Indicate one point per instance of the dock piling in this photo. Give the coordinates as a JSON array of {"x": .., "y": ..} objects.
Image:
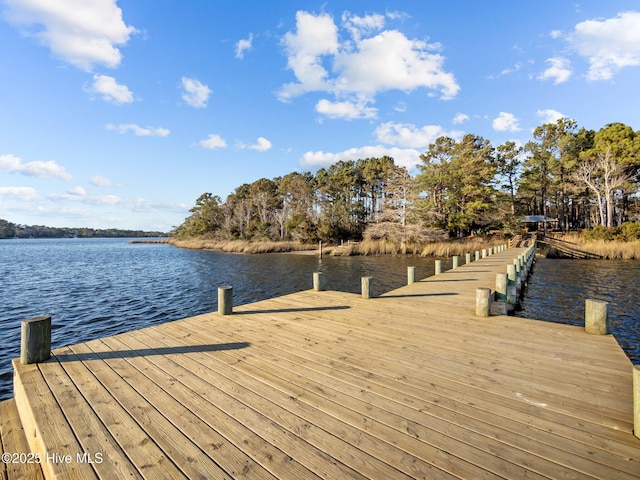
[
  {"x": 367, "y": 287},
  {"x": 225, "y": 300},
  {"x": 501, "y": 293},
  {"x": 438, "y": 267},
  {"x": 636, "y": 400},
  {"x": 596, "y": 313},
  {"x": 35, "y": 340},
  {"x": 456, "y": 261},
  {"x": 318, "y": 281},
  {"x": 411, "y": 275},
  {"x": 483, "y": 302}
]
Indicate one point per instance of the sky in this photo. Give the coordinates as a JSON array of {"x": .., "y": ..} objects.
[{"x": 120, "y": 114}]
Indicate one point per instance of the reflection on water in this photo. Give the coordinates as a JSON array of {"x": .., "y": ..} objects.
[{"x": 558, "y": 289}]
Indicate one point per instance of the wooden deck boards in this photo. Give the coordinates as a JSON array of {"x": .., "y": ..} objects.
[
  {"x": 21, "y": 464},
  {"x": 329, "y": 385}
]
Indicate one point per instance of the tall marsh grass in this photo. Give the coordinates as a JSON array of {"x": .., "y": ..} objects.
[
  {"x": 241, "y": 246},
  {"x": 609, "y": 249},
  {"x": 365, "y": 247}
]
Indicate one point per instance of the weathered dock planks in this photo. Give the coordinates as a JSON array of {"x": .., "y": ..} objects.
[
  {"x": 18, "y": 463},
  {"x": 330, "y": 385}
]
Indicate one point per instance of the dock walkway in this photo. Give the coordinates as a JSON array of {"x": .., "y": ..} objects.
[{"x": 329, "y": 385}]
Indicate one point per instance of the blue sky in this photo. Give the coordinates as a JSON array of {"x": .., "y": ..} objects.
[{"x": 119, "y": 114}]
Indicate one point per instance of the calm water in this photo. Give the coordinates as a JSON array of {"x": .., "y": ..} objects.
[
  {"x": 99, "y": 287},
  {"x": 558, "y": 289}
]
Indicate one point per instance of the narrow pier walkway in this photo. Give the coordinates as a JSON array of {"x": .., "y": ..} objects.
[{"x": 330, "y": 385}]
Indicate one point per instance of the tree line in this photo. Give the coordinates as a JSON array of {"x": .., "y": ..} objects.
[
  {"x": 11, "y": 230},
  {"x": 579, "y": 177}
]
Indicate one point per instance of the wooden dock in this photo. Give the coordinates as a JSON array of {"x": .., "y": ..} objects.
[{"x": 330, "y": 385}]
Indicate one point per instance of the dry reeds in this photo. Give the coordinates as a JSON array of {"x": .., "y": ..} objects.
[
  {"x": 608, "y": 249},
  {"x": 365, "y": 247},
  {"x": 459, "y": 246},
  {"x": 241, "y": 246},
  {"x": 613, "y": 249}
]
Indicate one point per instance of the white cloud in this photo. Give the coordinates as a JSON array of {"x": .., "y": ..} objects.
[
  {"x": 213, "y": 141},
  {"x": 316, "y": 36},
  {"x": 409, "y": 136},
  {"x": 21, "y": 193},
  {"x": 505, "y": 122},
  {"x": 405, "y": 157},
  {"x": 559, "y": 70},
  {"x": 82, "y": 33},
  {"x": 346, "y": 110},
  {"x": 99, "y": 181},
  {"x": 12, "y": 164},
  {"x": 243, "y": 45},
  {"x": 195, "y": 93},
  {"x": 460, "y": 118},
  {"x": 138, "y": 130},
  {"x": 609, "y": 45},
  {"x": 110, "y": 90},
  {"x": 364, "y": 65},
  {"x": 549, "y": 115},
  {"x": 261, "y": 145},
  {"x": 79, "y": 191},
  {"x": 359, "y": 26}
]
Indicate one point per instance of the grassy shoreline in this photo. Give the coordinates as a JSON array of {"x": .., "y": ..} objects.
[
  {"x": 365, "y": 247},
  {"x": 607, "y": 249}
]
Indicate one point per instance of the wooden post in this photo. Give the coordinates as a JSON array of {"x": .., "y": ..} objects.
[
  {"x": 456, "y": 261},
  {"x": 596, "y": 317},
  {"x": 467, "y": 258},
  {"x": 512, "y": 292},
  {"x": 636, "y": 400},
  {"x": 320, "y": 249},
  {"x": 367, "y": 287},
  {"x": 483, "y": 302},
  {"x": 501, "y": 293},
  {"x": 411, "y": 275},
  {"x": 438, "y": 267},
  {"x": 484, "y": 253},
  {"x": 477, "y": 255},
  {"x": 318, "y": 281},
  {"x": 35, "y": 344},
  {"x": 225, "y": 300}
]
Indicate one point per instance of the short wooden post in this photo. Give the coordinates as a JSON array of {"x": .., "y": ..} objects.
[
  {"x": 438, "y": 267},
  {"x": 225, "y": 300},
  {"x": 477, "y": 255},
  {"x": 411, "y": 275},
  {"x": 636, "y": 400},
  {"x": 596, "y": 314},
  {"x": 512, "y": 292},
  {"x": 467, "y": 258},
  {"x": 501, "y": 293},
  {"x": 35, "y": 344},
  {"x": 318, "y": 281},
  {"x": 483, "y": 302},
  {"x": 484, "y": 253},
  {"x": 456, "y": 261},
  {"x": 367, "y": 287}
]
